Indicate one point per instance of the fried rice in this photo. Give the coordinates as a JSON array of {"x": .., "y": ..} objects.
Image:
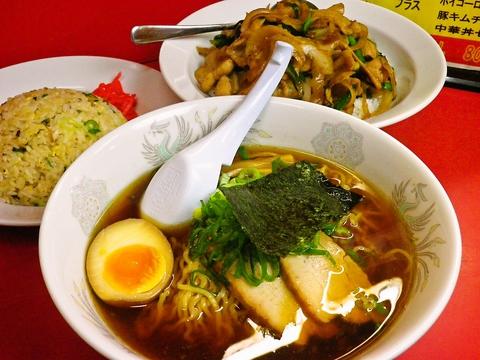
[{"x": 41, "y": 133}]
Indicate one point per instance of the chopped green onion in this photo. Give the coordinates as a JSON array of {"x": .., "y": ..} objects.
[
  {"x": 289, "y": 28},
  {"x": 271, "y": 262},
  {"x": 243, "y": 153},
  {"x": 329, "y": 229},
  {"x": 200, "y": 272},
  {"x": 20, "y": 149},
  {"x": 355, "y": 257},
  {"x": 92, "y": 126},
  {"x": 342, "y": 102},
  {"x": 193, "y": 276},
  {"x": 256, "y": 267},
  {"x": 336, "y": 229},
  {"x": 297, "y": 78},
  {"x": 249, "y": 174},
  {"x": 312, "y": 248},
  {"x": 360, "y": 56},
  {"x": 224, "y": 179},
  {"x": 244, "y": 176},
  {"x": 307, "y": 24},
  {"x": 218, "y": 242},
  {"x": 278, "y": 164},
  {"x": 387, "y": 85},
  {"x": 351, "y": 40},
  {"x": 228, "y": 261},
  {"x": 342, "y": 231},
  {"x": 197, "y": 213},
  {"x": 221, "y": 40}
]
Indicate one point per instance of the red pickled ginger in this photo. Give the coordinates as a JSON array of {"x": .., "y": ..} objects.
[{"x": 114, "y": 94}]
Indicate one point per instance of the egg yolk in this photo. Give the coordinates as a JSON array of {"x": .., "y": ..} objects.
[{"x": 130, "y": 267}]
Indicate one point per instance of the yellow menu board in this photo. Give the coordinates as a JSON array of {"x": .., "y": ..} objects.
[{"x": 454, "y": 24}]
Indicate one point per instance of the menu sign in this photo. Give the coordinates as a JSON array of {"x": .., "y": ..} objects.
[{"x": 454, "y": 24}]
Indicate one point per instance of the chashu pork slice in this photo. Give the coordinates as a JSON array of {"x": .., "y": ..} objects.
[
  {"x": 270, "y": 304},
  {"x": 319, "y": 285}
]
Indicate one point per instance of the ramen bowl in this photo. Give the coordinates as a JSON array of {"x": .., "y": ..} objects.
[{"x": 96, "y": 178}]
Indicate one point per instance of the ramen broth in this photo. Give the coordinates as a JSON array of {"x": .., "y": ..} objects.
[{"x": 380, "y": 229}]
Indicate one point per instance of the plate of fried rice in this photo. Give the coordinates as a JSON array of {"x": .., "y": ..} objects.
[{"x": 49, "y": 116}]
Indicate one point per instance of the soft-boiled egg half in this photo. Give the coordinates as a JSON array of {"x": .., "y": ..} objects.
[{"x": 129, "y": 262}]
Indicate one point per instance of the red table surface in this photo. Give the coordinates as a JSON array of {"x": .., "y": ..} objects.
[{"x": 445, "y": 135}]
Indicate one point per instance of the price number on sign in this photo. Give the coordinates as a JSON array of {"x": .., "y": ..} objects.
[{"x": 472, "y": 53}]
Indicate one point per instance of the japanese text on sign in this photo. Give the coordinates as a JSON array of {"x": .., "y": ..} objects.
[{"x": 455, "y": 24}]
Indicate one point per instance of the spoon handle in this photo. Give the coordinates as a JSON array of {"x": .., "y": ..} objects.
[
  {"x": 249, "y": 110},
  {"x": 146, "y": 34},
  {"x": 222, "y": 143}
]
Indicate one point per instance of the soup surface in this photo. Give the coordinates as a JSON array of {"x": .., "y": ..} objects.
[{"x": 196, "y": 317}]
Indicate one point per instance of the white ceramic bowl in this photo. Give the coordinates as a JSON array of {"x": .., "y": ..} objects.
[
  {"x": 418, "y": 61},
  {"x": 112, "y": 163}
]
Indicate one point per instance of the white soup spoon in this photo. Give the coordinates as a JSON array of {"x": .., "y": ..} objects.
[{"x": 192, "y": 174}]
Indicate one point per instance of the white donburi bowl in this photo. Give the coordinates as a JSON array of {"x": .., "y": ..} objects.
[
  {"x": 129, "y": 151},
  {"x": 419, "y": 63}
]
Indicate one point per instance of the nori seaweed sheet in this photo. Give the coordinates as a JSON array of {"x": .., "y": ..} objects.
[{"x": 285, "y": 209}]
